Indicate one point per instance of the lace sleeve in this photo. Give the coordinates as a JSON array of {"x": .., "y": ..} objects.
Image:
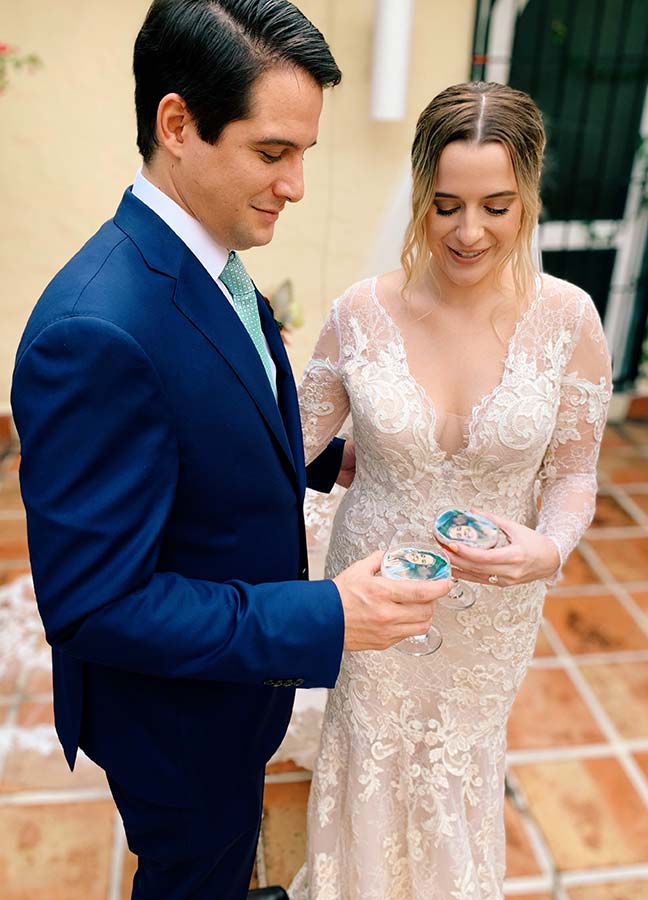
[
  {"x": 568, "y": 474},
  {"x": 323, "y": 400}
]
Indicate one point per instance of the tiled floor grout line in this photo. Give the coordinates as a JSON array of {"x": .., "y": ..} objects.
[
  {"x": 43, "y": 697},
  {"x": 536, "y": 837},
  {"x": 577, "y": 751},
  {"x": 260, "y": 860},
  {"x": 629, "y": 450},
  {"x": 626, "y": 503},
  {"x": 617, "y": 744},
  {"x": 604, "y": 875},
  {"x": 117, "y": 859},
  {"x": 524, "y": 885},
  {"x": 7, "y": 728},
  {"x": 9, "y": 725},
  {"x": 596, "y": 590},
  {"x": 637, "y": 487},
  {"x": 615, "y": 587},
  {"x": 288, "y": 777},
  {"x": 54, "y": 797},
  {"x": 630, "y": 605},
  {"x": 616, "y": 532},
  {"x": 592, "y": 659}
]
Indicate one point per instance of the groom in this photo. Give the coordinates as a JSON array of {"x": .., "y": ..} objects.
[{"x": 162, "y": 463}]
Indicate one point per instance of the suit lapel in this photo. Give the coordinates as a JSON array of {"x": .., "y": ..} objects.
[
  {"x": 207, "y": 308},
  {"x": 287, "y": 394}
]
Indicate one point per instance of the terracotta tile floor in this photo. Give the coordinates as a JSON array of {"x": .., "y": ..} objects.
[{"x": 577, "y": 801}]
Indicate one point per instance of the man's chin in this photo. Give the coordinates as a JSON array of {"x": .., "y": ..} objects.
[
  {"x": 265, "y": 235},
  {"x": 260, "y": 238}
]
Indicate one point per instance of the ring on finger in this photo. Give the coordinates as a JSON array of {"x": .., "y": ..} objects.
[{"x": 493, "y": 579}]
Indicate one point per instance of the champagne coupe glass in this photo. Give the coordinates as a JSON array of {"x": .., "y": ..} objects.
[
  {"x": 409, "y": 557},
  {"x": 463, "y": 527}
]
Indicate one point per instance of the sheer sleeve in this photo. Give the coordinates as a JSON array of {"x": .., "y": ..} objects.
[
  {"x": 323, "y": 400},
  {"x": 568, "y": 474}
]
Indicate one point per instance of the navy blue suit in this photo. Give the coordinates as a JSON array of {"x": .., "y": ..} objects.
[{"x": 164, "y": 486}]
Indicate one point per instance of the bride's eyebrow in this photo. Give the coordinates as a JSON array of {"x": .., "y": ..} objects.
[
  {"x": 443, "y": 196},
  {"x": 501, "y": 194}
]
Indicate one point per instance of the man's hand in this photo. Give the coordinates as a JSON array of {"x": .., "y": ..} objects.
[
  {"x": 379, "y": 612},
  {"x": 347, "y": 469}
]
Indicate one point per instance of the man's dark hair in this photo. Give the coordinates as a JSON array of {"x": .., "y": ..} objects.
[{"x": 212, "y": 51}]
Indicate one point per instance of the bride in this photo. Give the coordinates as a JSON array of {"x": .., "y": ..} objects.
[{"x": 473, "y": 382}]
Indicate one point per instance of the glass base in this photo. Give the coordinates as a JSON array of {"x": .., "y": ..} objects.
[{"x": 421, "y": 644}]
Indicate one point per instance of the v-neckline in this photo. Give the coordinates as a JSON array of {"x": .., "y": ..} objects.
[{"x": 428, "y": 402}]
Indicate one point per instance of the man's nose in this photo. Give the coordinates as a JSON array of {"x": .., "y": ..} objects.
[{"x": 290, "y": 185}]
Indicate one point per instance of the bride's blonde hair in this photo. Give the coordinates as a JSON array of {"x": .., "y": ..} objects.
[{"x": 479, "y": 112}]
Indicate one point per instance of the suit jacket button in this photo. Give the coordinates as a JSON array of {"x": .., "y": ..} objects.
[
  {"x": 304, "y": 572},
  {"x": 298, "y": 682},
  {"x": 270, "y": 682}
]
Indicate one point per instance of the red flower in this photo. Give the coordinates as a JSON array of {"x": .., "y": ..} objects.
[{"x": 5, "y": 48}]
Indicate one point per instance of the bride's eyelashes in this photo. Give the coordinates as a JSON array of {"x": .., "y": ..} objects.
[{"x": 489, "y": 209}]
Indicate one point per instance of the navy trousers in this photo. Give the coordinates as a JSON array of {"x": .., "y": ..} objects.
[{"x": 176, "y": 858}]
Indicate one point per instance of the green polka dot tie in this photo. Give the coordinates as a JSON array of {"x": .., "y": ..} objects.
[{"x": 239, "y": 284}]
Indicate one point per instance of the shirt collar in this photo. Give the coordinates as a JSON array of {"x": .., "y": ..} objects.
[{"x": 190, "y": 231}]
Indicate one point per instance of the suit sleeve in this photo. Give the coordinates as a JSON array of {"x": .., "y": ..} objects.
[
  {"x": 98, "y": 474},
  {"x": 322, "y": 471}
]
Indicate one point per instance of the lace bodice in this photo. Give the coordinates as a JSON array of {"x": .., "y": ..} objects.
[{"x": 534, "y": 435}]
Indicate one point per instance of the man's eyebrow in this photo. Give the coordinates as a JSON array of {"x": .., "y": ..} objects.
[
  {"x": 280, "y": 142},
  {"x": 442, "y": 196}
]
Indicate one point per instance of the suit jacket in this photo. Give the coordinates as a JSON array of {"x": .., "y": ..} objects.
[{"x": 164, "y": 486}]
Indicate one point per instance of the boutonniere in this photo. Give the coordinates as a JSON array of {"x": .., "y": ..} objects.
[
  {"x": 280, "y": 325},
  {"x": 286, "y": 311}
]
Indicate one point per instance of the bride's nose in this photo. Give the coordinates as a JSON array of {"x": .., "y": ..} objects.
[{"x": 469, "y": 228}]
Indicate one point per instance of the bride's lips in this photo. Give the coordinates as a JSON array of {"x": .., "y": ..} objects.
[{"x": 467, "y": 260}]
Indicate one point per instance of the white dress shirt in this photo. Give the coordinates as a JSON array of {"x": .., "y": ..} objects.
[{"x": 211, "y": 255}]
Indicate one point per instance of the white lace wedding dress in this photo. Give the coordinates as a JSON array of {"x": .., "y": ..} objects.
[{"x": 408, "y": 788}]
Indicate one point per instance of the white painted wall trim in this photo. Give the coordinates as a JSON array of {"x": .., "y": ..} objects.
[{"x": 391, "y": 59}]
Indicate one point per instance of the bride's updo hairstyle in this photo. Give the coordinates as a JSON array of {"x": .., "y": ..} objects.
[{"x": 478, "y": 112}]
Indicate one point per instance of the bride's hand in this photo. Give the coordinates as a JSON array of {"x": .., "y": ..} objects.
[
  {"x": 529, "y": 556},
  {"x": 348, "y": 466}
]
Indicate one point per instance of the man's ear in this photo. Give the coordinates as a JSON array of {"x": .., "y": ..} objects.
[{"x": 173, "y": 117}]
